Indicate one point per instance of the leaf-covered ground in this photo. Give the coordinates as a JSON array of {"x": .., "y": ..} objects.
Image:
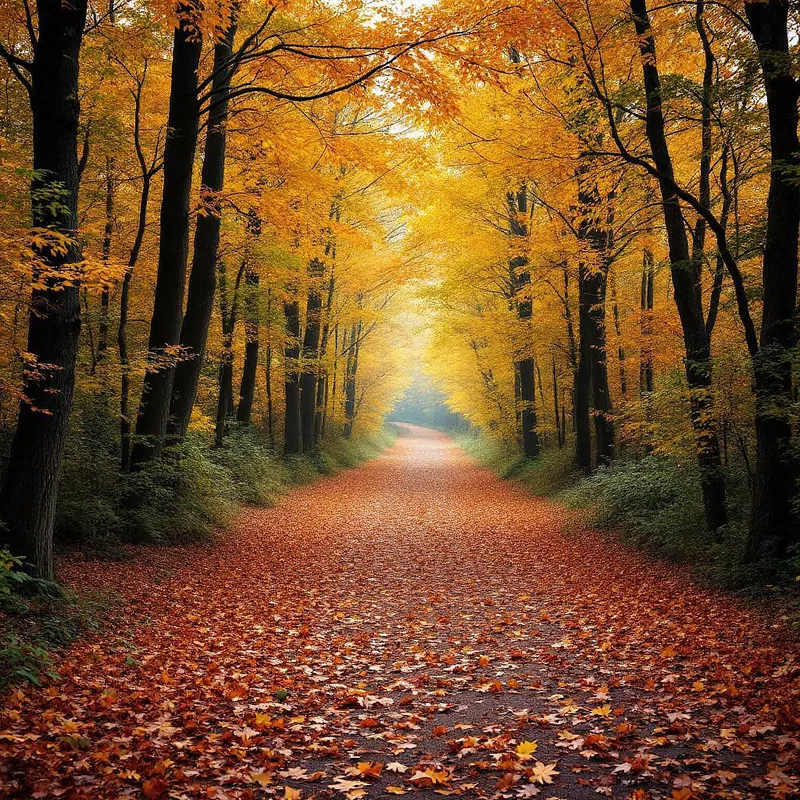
[{"x": 413, "y": 627}]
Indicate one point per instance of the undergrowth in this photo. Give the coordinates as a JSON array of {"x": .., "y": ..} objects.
[
  {"x": 193, "y": 492},
  {"x": 38, "y": 617},
  {"x": 653, "y": 503}
]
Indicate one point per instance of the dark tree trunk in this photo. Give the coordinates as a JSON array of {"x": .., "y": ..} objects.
[
  {"x": 322, "y": 381},
  {"x": 108, "y": 231},
  {"x": 147, "y": 173},
  {"x": 646, "y": 324},
  {"x": 351, "y": 370},
  {"x": 524, "y": 367},
  {"x": 601, "y": 395},
  {"x": 293, "y": 435},
  {"x": 583, "y": 376},
  {"x": 623, "y": 376},
  {"x": 125, "y": 380},
  {"x": 202, "y": 277},
  {"x": 179, "y": 152},
  {"x": 268, "y": 371},
  {"x": 330, "y": 400},
  {"x": 595, "y": 229},
  {"x": 773, "y": 526},
  {"x": 247, "y": 388},
  {"x": 686, "y": 280},
  {"x": 228, "y": 316},
  {"x": 29, "y": 493},
  {"x": 311, "y": 345},
  {"x": 560, "y": 432}
]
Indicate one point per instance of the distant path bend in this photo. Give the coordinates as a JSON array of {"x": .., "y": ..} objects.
[{"x": 414, "y": 625}]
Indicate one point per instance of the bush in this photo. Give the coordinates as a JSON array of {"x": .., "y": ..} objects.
[
  {"x": 36, "y": 617},
  {"x": 544, "y": 476},
  {"x": 257, "y": 477},
  {"x": 194, "y": 490},
  {"x": 653, "y": 502},
  {"x": 182, "y": 497}
]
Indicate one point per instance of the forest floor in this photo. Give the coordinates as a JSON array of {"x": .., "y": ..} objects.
[{"x": 413, "y": 626}]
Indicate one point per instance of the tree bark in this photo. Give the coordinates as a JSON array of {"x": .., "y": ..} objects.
[
  {"x": 247, "y": 388},
  {"x": 351, "y": 370},
  {"x": 583, "y": 375},
  {"x": 268, "y": 371},
  {"x": 147, "y": 173},
  {"x": 29, "y": 493},
  {"x": 228, "y": 314},
  {"x": 646, "y": 324},
  {"x": 108, "y": 231},
  {"x": 322, "y": 380},
  {"x": 311, "y": 345},
  {"x": 595, "y": 231},
  {"x": 293, "y": 435},
  {"x": 202, "y": 277},
  {"x": 621, "y": 355},
  {"x": 686, "y": 280},
  {"x": 773, "y": 526},
  {"x": 524, "y": 367},
  {"x": 165, "y": 324}
]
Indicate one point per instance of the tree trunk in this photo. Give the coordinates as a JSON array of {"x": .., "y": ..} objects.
[
  {"x": 524, "y": 367},
  {"x": 293, "y": 435},
  {"x": 147, "y": 173},
  {"x": 595, "y": 230},
  {"x": 623, "y": 377},
  {"x": 179, "y": 151},
  {"x": 646, "y": 324},
  {"x": 351, "y": 370},
  {"x": 583, "y": 375},
  {"x": 560, "y": 433},
  {"x": 248, "y": 386},
  {"x": 270, "y": 411},
  {"x": 108, "y": 231},
  {"x": 773, "y": 526},
  {"x": 228, "y": 315},
  {"x": 686, "y": 280},
  {"x": 311, "y": 345},
  {"x": 202, "y": 278},
  {"x": 29, "y": 493},
  {"x": 322, "y": 380},
  {"x": 330, "y": 400}
]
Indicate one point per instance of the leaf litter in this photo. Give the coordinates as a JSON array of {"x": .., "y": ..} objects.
[{"x": 411, "y": 627}]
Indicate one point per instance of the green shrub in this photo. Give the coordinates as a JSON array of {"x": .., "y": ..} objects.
[
  {"x": 36, "y": 616},
  {"x": 182, "y": 497},
  {"x": 544, "y": 476},
  {"x": 255, "y": 474}
]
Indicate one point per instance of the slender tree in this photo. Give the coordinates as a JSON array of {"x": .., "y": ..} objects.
[
  {"x": 202, "y": 278},
  {"x": 179, "y": 152}
]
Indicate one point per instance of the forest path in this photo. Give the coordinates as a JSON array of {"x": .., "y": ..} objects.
[{"x": 414, "y": 626}]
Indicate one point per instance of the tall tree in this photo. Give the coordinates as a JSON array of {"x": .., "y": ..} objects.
[
  {"x": 293, "y": 436},
  {"x": 28, "y": 496},
  {"x": 686, "y": 279},
  {"x": 202, "y": 278},
  {"x": 311, "y": 345},
  {"x": 520, "y": 280},
  {"x": 773, "y": 525},
  {"x": 173, "y": 254},
  {"x": 247, "y": 388}
]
